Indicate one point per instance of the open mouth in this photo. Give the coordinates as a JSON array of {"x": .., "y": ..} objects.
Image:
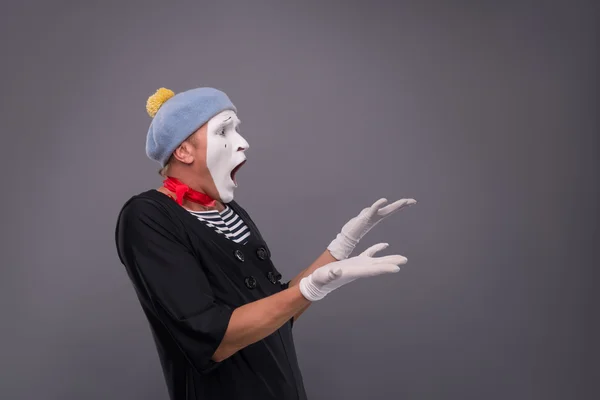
[{"x": 235, "y": 170}]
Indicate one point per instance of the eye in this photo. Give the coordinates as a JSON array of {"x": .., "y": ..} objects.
[{"x": 222, "y": 132}]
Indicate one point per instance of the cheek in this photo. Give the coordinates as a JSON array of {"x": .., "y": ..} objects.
[
  {"x": 226, "y": 145},
  {"x": 217, "y": 151}
]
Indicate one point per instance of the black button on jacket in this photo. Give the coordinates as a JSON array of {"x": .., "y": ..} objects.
[{"x": 189, "y": 279}]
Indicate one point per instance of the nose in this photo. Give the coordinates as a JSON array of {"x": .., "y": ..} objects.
[{"x": 243, "y": 145}]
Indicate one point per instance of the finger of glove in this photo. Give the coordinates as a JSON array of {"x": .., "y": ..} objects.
[
  {"x": 324, "y": 275},
  {"x": 377, "y": 205},
  {"x": 335, "y": 273},
  {"x": 386, "y": 269},
  {"x": 392, "y": 259},
  {"x": 395, "y": 206},
  {"x": 370, "y": 270},
  {"x": 371, "y": 251}
]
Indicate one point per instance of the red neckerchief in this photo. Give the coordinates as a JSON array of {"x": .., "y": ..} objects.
[{"x": 184, "y": 191}]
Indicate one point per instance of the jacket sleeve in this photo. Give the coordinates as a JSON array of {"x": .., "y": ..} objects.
[{"x": 170, "y": 281}]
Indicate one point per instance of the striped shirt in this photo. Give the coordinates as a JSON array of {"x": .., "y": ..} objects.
[{"x": 226, "y": 222}]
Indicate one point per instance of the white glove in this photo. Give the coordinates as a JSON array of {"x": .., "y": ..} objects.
[
  {"x": 342, "y": 246},
  {"x": 329, "y": 277}
]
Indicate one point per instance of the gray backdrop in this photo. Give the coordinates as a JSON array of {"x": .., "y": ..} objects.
[{"x": 485, "y": 112}]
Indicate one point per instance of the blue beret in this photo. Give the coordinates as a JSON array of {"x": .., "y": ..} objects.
[{"x": 177, "y": 116}]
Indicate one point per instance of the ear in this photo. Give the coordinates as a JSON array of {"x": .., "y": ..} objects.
[{"x": 184, "y": 152}]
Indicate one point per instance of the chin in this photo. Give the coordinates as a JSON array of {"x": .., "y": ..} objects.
[
  {"x": 227, "y": 199},
  {"x": 226, "y": 196}
]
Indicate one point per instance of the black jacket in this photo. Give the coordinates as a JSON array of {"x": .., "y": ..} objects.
[{"x": 189, "y": 279}]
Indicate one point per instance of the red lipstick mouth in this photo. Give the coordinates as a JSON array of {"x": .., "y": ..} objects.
[{"x": 235, "y": 170}]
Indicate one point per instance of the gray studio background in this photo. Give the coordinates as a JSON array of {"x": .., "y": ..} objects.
[{"x": 485, "y": 112}]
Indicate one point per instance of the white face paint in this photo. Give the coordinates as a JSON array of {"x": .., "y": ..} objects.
[{"x": 224, "y": 152}]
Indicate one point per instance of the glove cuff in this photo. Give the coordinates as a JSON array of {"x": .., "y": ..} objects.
[
  {"x": 309, "y": 290},
  {"x": 342, "y": 246}
]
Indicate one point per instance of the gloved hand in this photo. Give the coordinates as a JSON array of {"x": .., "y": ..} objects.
[
  {"x": 331, "y": 276},
  {"x": 351, "y": 233}
]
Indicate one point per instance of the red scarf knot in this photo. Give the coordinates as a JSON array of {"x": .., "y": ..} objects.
[{"x": 182, "y": 191}]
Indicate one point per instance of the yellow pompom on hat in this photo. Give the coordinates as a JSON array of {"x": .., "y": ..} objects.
[
  {"x": 157, "y": 100},
  {"x": 176, "y": 116}
]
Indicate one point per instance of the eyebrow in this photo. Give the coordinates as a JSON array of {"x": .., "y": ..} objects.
[{"x": 228, "y": 122}]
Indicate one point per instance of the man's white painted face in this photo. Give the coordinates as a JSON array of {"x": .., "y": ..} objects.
[{"x": 225, "y": 152}]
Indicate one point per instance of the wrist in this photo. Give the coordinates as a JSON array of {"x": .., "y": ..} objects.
[{"x": 300, "y": 299}]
